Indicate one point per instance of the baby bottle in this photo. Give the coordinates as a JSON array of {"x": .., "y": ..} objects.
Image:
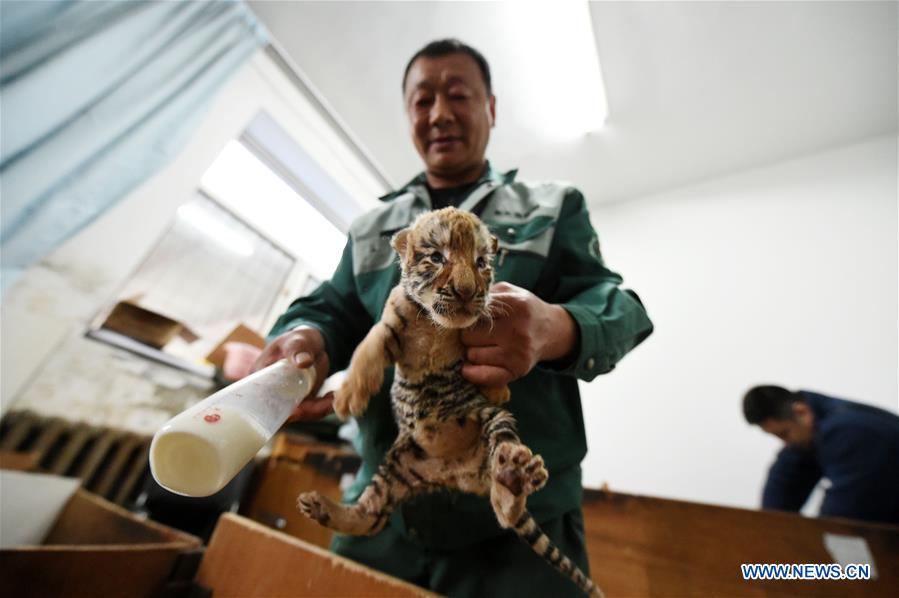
[{"x": 202, "y": 448}]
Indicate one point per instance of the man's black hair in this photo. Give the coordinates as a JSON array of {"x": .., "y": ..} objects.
[
  {"x": 769, "y": 402},
  {"x": 445, "y": 47}
]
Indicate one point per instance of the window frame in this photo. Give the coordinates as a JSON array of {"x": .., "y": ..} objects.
[{"x": 95, "y": 330}]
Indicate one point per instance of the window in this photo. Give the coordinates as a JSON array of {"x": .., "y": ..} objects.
[
  {"x": 236, "y": 253},
  {"x": 246, "y": 185}
]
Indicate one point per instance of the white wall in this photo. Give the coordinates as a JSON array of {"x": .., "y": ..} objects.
[{"x": 785, "y": 275}]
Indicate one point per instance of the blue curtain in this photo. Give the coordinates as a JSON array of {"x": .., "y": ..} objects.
[{"x": 94, "y": 98}]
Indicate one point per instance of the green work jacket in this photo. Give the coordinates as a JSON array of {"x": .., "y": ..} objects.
[{"x": 546, "y": 245}]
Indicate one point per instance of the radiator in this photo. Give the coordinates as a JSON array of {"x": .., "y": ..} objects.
[{"x": 109, "y": 462}]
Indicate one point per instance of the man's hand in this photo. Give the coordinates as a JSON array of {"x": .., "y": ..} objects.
[
  {"x": 525, "y": 330},
  {"x": 304, "y": 347}
]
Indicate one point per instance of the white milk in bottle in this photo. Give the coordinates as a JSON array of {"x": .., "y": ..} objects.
[{"x": 201, "y": 449}]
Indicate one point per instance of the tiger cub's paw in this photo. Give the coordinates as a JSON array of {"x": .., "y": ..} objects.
[
  {"x": 312, "y": 506},
  {"x": 497, "y": 395},
  {"x": 518, "y": 469},
  {"x": 349, "y": 400}
]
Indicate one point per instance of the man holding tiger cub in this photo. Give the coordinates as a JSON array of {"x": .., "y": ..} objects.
[{"x": 562, "y": 317}]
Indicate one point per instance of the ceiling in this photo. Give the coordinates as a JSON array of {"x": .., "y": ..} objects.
[{"x": 695, "y": 90}]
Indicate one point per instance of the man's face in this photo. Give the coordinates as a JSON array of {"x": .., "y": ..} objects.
[
  {"x": 450, "y": 114},
  {"x": 797, "y": 431}
]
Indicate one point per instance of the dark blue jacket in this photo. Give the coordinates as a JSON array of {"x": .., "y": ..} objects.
[{"x": 856, "y": 448}]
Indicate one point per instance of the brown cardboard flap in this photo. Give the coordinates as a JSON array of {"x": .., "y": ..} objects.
[
  {"x": 89, "y": 520},
  {"x": 644, "y": 546},
  {"x": 149, "y": 327},
  {"x": 88, "y": 573},
  {"x": 95, "y": 549},
  {"x": 247, "y": 559}
]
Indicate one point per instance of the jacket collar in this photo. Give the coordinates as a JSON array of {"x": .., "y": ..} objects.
[
  {"x": 419, "y": 186},
  {"x": 820, "y": 405}
]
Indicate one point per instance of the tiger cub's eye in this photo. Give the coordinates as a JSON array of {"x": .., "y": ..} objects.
[
  {"x": 437, "y": 257},
  {"x": 481, "y": 262}
]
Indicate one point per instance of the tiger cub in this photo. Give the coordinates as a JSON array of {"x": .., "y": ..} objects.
[{"x": 452, "y": 434}]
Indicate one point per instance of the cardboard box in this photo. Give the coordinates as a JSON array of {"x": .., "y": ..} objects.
[
  {"x": 645, "y": 546},
  {"x": 143, "y": 325},
  {"x": 95, "y": 548},
  {"x": 296, "y": 465},
  {"x": 240, "y": 334},
  {"x": 247, "y": 559}
]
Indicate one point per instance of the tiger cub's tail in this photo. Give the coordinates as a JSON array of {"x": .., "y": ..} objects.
[{"x": 528, "y": 530}]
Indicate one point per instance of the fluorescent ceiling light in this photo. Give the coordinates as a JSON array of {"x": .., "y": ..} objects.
[{"x": 557, "y": 65}]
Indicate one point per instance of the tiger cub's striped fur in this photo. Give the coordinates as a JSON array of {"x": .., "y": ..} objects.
[{"x": 452, "y": 434}]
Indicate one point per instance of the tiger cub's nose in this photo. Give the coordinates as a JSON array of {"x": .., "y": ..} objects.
[{"x": 464, "y": 292}]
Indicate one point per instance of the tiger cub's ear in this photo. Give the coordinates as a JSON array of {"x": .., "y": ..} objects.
[{"x": 399, "y": 241}]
